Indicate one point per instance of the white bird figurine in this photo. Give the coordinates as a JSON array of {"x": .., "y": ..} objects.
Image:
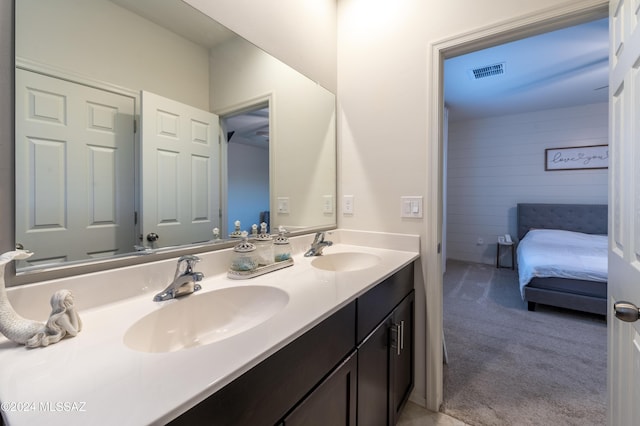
[{"x": 64, "y": 319}]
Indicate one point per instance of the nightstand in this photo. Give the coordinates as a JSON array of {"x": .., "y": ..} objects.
[{"x": 501, "y": 247}]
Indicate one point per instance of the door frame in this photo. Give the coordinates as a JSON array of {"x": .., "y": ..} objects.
[
  {"x": 549, "y": 19},
  {"x": 267, "y": 99}
]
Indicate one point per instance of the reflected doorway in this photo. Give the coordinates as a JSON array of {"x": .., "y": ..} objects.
[{"x": 247, "y": 135}]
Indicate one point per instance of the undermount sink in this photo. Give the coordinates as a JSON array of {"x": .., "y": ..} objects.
[
  {"x": 347, "y": 261},
  {"x": 204, "y": 318}
]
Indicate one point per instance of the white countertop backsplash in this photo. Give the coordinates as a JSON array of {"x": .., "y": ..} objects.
[{"x": 95, "y": 379}]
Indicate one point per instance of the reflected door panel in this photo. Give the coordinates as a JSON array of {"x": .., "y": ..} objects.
[
  {"x": 74, "y": 169},
  {"x": 180, "y": 171}
]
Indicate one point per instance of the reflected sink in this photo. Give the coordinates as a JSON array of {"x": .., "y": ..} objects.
[
  {"x": 343, "y": 262},
  {"x": 201, "y": 319}
]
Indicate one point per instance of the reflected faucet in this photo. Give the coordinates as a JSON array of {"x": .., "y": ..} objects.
[
  {"x": 184, "y": 282},
  {"x": 318, "y": 244}
]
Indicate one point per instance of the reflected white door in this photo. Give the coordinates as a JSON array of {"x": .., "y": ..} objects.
[
  {"x": 74, "y": 169},
  {"x": 180, "y": 172},
  {"x": 624, "y": 211}
]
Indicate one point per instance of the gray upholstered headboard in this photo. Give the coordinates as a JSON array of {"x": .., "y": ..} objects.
[{"x": 586, "y": 218}]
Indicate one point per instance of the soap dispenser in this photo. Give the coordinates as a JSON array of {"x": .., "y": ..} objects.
[
  {"x": 282, "y": 247},
  {"x": 264, "y": 246},
  {"x": 244, "y": 255}
]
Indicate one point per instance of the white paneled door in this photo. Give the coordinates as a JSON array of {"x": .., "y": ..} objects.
[
  {"x": 74, "y": 169},
  {"x": 624, "y": 213},
  {"x": 180, "y": 172}
]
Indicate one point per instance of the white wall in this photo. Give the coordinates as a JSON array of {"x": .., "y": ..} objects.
[
  {"x": 496, "y": 163},
  {"x": 79, "y": 36}
]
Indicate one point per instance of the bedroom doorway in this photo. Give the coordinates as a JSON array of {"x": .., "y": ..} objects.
[{"x": 531, "y": 25}]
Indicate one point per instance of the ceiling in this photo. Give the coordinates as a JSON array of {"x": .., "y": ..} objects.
[
  {"x": 562, "y": 68},
  {"x": 249, "y": 128},
  {"x": 181, "y": 18}
]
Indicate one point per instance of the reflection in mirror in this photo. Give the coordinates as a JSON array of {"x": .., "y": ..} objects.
[
  {"x": 247, "y": 134},
  {"x": 89, "y": 182}
]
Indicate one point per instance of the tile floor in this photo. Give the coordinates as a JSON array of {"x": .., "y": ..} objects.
[{"x": 415, "y": 415}]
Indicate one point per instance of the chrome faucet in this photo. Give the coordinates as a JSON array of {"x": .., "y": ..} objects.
[
  {"x": 318, "y": 244},
  {"x": 185, "y": 280}
]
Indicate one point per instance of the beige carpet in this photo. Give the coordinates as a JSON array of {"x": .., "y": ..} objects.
[{"x": 508, "y": 366}]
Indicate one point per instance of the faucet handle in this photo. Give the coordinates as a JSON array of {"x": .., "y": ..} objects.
[{"x": 188, "y": 260}]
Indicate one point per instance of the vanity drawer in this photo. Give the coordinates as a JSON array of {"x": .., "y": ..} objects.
[
  {"x": 264, "y": 394},
  {"x": 377, "y": 303}
]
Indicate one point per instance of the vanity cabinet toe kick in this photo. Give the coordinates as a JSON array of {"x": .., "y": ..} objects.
[{"x": 354, "y": 368}]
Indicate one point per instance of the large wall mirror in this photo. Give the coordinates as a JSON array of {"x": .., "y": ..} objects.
[{"x": 143, "y": 125}]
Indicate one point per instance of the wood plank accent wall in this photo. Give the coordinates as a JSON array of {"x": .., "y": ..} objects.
[{"x": 495, "y": 163}]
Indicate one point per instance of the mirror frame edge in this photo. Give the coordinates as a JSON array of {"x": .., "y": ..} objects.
[
  {"x": 90, "y": 266},
  {"x": 7, "y": 165}
]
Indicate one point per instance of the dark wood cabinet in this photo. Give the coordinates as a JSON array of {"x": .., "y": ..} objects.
[
  {"x": 386, "y": 367},
  {"x": 333, "y": 402},
  {"x": 373, "y": 377},
  {"x": 355, "y": 367},
  {"x": 385, "y": 335},
  {"x": 402, "y": 359},
  {"x": 377, "y": 303}
]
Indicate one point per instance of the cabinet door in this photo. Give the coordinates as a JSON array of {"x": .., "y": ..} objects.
[
  {"x": 333, "y": 402},
  {"x": 373, "y": 377},
  {"x": 402, "y": 356}
]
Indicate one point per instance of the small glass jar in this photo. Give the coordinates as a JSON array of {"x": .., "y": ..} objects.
[
  {"x": 282, "y": 247},
  {"x": 264, "y": 246},
  {"x": 244, "y": 257}
]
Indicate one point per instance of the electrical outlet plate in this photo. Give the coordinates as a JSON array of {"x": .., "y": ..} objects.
[
  {"x": 347, "y": 204},
  {"x": 327, "y": 204},
  {"x": 283, "y": 205},
  {"x": 411, "y": 206}
]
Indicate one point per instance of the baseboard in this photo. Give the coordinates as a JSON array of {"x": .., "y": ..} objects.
[{"x": 417, "y": 399}]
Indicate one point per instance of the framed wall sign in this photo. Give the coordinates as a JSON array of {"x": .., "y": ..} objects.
[{"x": 577, "y": 158}]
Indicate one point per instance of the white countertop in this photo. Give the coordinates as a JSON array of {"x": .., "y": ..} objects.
[{"x": 95, "y": 379}]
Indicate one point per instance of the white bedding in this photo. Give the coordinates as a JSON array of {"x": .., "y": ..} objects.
[{"x": 564, "y": 254}]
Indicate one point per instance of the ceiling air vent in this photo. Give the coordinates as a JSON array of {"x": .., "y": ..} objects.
[{"x": 487, "y": 71}]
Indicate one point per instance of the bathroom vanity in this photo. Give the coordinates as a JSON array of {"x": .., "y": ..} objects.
[
  {"x": 328, "y": 340},
  {"x": 355, "y": 367}
]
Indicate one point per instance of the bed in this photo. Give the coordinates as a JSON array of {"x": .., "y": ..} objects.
[{"x": 581, "y": 287}]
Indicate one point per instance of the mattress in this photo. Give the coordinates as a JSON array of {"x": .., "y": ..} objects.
[{"x": 547, "y": 253}]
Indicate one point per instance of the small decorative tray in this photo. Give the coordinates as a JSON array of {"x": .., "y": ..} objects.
[{"x": 260, "y": 270}]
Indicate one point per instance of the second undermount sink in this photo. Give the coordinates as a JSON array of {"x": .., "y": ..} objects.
[
  {"x": 202, "y": 319},
  {"x": 346, "y": 261}
]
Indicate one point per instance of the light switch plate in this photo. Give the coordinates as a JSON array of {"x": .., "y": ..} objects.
[
  {"x": 411, "y": 206},
  {"x": 347, "y": 204}
]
